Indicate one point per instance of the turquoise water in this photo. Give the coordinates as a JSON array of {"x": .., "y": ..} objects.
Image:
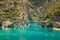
[{"x": 33, "y": 32}]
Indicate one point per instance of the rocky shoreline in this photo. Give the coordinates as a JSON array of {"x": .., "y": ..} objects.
[{"x": 56, "y": 28}]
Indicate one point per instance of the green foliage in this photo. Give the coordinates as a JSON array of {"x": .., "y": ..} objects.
[
  {"x": 41, "y": 10},
  {"x": 8, "y": 10},
  {"x": 44, "y": 9},
  {"x": 57, "y": 13}
]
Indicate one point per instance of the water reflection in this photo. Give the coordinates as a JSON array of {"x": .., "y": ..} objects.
[
  {"x": 28, "y": 31},
  {"x": 34, "y": 26}
]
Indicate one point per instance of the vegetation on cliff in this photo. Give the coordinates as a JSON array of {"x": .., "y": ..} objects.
[{"x": 30, "y": 10}]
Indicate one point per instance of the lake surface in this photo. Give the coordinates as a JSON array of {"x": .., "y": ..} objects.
[{"x": 32, "y": 32}]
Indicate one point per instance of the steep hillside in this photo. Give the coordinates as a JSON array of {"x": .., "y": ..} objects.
[{"x": 30, "y": 10}]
